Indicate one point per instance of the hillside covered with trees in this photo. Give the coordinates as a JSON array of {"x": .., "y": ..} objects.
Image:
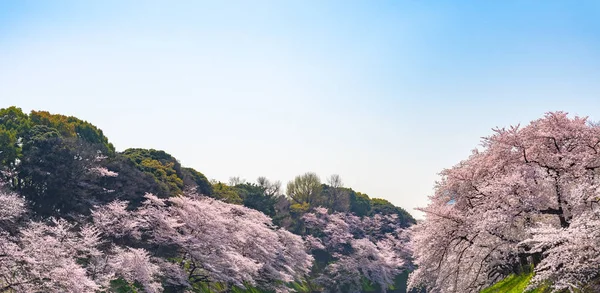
[
  {"x": 79, "y": 216},
  {"x": 521, "y": 214}
]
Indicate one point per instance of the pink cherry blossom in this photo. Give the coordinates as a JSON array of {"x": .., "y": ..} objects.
[
  {"x": 530, "y": 193},
  {"x": 371, "y": 248}
]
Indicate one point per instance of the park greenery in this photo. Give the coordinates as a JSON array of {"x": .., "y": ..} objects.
[{"x": 521, "y": 214}]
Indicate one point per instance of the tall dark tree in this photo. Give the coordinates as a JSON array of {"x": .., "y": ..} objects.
[
  {"x": 336, "y": 198},
  {"x": 55, "y": 173}
]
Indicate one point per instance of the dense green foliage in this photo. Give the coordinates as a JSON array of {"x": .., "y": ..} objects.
[
  {"x": 256, "y": 197},
  {"x": 169, "y": 176},
  {"x": 72, "y": 127},
  {"x": 48, "y": 158},
  {"x": 163, "y": 167},
  {"x": 226, "y": 193}
]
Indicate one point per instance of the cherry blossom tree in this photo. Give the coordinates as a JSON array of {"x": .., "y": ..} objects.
[
  {"x": 13, "y": 206},
  {"x": 571, "y": 257},
  {"x": 60, "y": 256},
  {"x": 368, "y": 248},
  {"x": 216, "y": 241},
  {"x": 529, "y": 196}
]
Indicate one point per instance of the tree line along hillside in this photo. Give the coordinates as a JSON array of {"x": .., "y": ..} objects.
[
  {"x": 143, "y": 222},
  {"x": 520, "y": 214}
]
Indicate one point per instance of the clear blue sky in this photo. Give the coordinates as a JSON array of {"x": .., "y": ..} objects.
[{"x": 384, "y": 93}]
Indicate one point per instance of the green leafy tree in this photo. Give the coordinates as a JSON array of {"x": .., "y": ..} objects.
[
  {"x": 15, "y": 128},
  {"x": 305, "y": 191},
  {"x": 165, "y": 169},
  {"x": 14, "y": 124},
  {"x": 69, "y": 126},
  {"x": 226, "y": 193},
  {"x": 9, "y": 150},
  {"x": 54, "y": 173},
  {"x": 336, "y": 199},
  {"x": 130, "y": 185},
  {"x": 14, "y": 119},
  {"x": 172, "y": 179},
  {"x": 360, "y": 204},
  {"x": 262, "y": 196}
]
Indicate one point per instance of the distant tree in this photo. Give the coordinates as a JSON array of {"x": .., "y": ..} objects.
[
  {"x": 336, "y": 198},
  {"x": 14, "y": 119},
  {"x": 9, "y": 150},
  {"x": 226, "y": 193},
  {"x": 165, "y": 169},
  {"x": 72, "y": 127},
  {"x": 262, "y": 196},
  {"x": 236, "y": 180},
  {"x": 360, "y": 204},
  {"x": 171, "y": 178},
  {"x": 130, "y": 185},
  {"x": 304, "y": 192},
  {"x": 272, "y": 189},
  {"x": 335, "y": 181},
  {"x": 283, "y": 217},
  {"x": 14, "y": 125}
]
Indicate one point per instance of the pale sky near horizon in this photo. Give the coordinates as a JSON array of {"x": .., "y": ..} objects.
[{"x": 384, "y": 93}]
